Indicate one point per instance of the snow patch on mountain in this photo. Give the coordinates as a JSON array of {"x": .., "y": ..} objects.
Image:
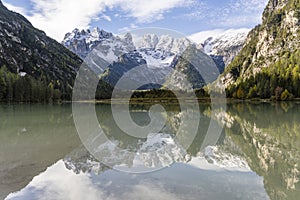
[
  {"x": 106, "y": 44},
  {"x": 225, "y": 41},
  {"x": 158, "y": 51},
  {"x": 164, "y": 43},
  {"x": 222, "y": 45}
]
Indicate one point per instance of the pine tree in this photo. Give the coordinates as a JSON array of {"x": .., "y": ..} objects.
[{"x": 2, "y": 86}]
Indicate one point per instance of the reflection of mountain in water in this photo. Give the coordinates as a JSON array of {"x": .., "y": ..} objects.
[
  {"x": 268, "y": 136},
  {"x": 262, "y": 137},
  {"x": 80, "y": 160},
  {"x": 162, "y": 149}
]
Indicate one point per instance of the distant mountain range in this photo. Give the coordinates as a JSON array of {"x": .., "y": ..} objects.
[
  {"x": 222, "y": 47},
  {"x": 155, "y": 50},
  {"x": 158, "y": 52}
]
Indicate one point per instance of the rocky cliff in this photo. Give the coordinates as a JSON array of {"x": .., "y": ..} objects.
[{"x": 270, "y": 57}]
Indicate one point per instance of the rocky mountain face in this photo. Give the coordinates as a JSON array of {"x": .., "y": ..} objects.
[
  {"x": 123, "y": 53},
  {"x": 193, "y": 69},
  {"x": 109, "y": 46},
  {"x": 269, "y": 59},
  {"x": 224, "y": 47},
  {"x": 158, "y": 50},
  {"x": 160, "y": 53},
  {"x": 163, "y": 43},
  {"x": 27, "y": 50}
]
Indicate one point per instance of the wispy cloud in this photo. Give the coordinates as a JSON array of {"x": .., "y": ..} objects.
[
  {"x": 56, "y": 17},
  {"x": 235, "y": 13},
  {"x": 147, "y": 11},
  {"x": 14, "y": 8},
  {"x": 247, "y": 6},
  {"x": 128, "y": 28}
]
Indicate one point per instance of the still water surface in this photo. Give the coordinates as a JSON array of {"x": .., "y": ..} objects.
[{"x": 257, "y": 155}]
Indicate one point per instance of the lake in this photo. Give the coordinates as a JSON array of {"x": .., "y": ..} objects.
[{"x": 256, "y": 155}]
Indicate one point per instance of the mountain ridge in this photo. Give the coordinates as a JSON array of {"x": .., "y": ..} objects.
[
  {"x": 160, "y": 52},
  {"x": 30, "y": 57},
  {"x": 217, "y": 46}
]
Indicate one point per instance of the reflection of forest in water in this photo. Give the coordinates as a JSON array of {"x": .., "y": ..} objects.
[
  {"x": 269, "y": 137},
  {"x": 265, "y": 135}
]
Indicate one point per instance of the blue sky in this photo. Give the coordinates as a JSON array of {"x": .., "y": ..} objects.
[{"x": 57, "y": 17}]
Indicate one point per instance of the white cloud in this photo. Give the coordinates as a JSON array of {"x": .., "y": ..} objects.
[
  {"x": 57, "y": 182},
  {"x": 57, "y": 17},
  {"x": 235, "y": 13},
  {"x": 200, "y": 37},
  {"x": 248, "y": 6},
  {"x": 147, "y": 11},
  {"x": 14, "y": 8},
  {"x": 128, "y": 28},
  {"x": 106, "y": 17},
  {"x": 249, "y": 12}
]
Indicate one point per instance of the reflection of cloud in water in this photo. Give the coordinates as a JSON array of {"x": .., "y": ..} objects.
[
  {"x": 148, "y": 191},
  {"x": 59, "y": 183},
  {"x": 179, "y": 182}
]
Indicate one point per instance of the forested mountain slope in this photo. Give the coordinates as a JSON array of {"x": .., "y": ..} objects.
[
  {"x": 34, "y": 67},
  {"x": 268, "y": 65}
]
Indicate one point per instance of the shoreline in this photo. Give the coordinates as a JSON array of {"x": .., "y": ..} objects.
[
  {"x": 175, "y": 101},
  {"x": 170, "y": 101}
]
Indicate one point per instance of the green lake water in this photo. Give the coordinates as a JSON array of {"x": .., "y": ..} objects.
[{"x": 255, "y": 156}]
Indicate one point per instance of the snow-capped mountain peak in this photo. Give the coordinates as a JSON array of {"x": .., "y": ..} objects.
[
  {"x": 157, "y": 52},
  {"x": 147, "y": 41},
  {"x": 222, "y": 45},
  {"x": 164, "y": 43},
  {"x": 225, "y": 41},
  {"x": 160, "y": 51},
  {"x": 128, "y": 38},
  {"x": 106, "y": 44},
  {"x": 88, "y": 35}
]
